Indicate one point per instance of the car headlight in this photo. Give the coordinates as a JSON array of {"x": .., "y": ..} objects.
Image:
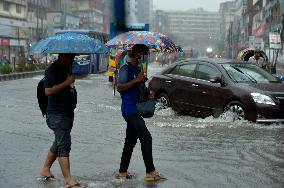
[{"x": 262, "y": 99}]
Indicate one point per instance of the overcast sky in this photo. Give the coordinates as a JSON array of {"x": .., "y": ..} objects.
[{"x": 210, "y": 5}]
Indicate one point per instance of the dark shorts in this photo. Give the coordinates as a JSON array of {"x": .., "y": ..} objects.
[{"x": 61, "y": 126}]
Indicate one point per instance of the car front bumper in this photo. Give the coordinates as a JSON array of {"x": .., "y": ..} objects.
[
  {"x": 270, "y": 121},
  {"x": 270, "y": 114}
]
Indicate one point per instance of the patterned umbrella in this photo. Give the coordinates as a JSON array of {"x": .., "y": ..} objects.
[
  {"x": 153, "y": 40},
  {"x": 68, "y": 43}
]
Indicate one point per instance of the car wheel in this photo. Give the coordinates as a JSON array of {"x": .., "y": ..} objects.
[
  {"x": 162, "y": 101},
  {"x": 236, "y": 110}
]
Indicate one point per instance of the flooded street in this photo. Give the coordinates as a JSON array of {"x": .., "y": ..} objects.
[{"x": 191, "y": 152}]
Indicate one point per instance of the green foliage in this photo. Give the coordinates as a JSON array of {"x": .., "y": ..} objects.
[
  {"x": 42, "y": 66},
  {"x": 5, "y": 69},
  {"x": 19, "y": 69},
  {"x": 30, "y": 68}
]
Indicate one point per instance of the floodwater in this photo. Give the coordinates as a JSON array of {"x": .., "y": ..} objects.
[{"x": 191, "y": 152}]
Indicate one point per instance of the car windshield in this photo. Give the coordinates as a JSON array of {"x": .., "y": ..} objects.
[{"x": 248, "y": 73}]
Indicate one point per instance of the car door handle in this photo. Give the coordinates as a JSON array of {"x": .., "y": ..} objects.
[
  {"x": 168, "y": 81},
  {"x": 195, "y": 85}
]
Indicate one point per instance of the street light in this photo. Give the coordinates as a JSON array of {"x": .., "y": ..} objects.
[{"x": 209, "y": 50}]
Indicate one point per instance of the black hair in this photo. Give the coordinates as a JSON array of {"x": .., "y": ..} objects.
[
  {"x": 60, "y": 56},
  {"x": 138, "y": 48}
]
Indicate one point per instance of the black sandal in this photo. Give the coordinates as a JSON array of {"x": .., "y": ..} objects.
[
  {"x": 47, "y": 178},
  {"x": 76, "y": 185}
]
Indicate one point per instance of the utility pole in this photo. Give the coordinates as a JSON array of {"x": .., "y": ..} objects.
[
  {"x": 41, "y": 17},
  {"x": 37, "y": 21},
  {"x": 17, "y": 60}
]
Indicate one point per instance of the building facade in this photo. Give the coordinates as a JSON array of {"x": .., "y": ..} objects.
[
  {"x": 91, "y": 14},
  {"x": 145, "y": 11},
  {"x": 160, "y": 22},
  {"x": 13, "y": 30},
  {"x": 252, "y": 23},
  {"x": 193, "y": 28}
]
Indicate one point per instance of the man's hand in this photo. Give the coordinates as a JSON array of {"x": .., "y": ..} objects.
[
  {"x": 59, "y": 87},
  {"x": 140, "y": 77},
  {"x": 151, "y": 95},
  {"x": 70, "y": 80}
]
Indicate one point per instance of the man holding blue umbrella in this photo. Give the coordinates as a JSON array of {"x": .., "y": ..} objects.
[
  {"x": 62, "y": 100},
  {"x": 62, "y": 95}
]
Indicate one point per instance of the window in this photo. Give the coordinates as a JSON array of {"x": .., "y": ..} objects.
[
  {"x": 175, "y": 70},
  {"x": 185, "y": 70},
  {"x": 205, "y": 72},
  {"x": 18, "y": 8},
  {"x": 6, "y": 6}
]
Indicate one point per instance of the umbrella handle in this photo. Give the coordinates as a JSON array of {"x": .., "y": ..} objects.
[{"x": 146, "y": 71}]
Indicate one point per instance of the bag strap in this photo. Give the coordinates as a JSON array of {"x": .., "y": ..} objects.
[{"x": 140, "y": 86}]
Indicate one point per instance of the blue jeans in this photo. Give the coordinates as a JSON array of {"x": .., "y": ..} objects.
[{"x": 61, "y": 126}]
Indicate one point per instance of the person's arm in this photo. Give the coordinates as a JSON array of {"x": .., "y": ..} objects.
[
  {"x": 123, "y": 83},
  {"x": 59, "y": 87},
  {"x": 250, "y": 60},
  {"x": 125, "y": 86}
]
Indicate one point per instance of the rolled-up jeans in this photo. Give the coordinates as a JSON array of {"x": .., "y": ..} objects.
[{"x": 61, "y": 126}]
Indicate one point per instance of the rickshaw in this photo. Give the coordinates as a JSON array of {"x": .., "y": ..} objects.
[{"x": 245, "y": 54}]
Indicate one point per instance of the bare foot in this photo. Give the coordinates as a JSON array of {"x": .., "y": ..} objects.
[{"x": 45, "y": 172}]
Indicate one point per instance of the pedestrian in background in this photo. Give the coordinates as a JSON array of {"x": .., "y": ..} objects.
[
  {"x": 257, "y": 59},
  {"x": 62, "y": 100},
  {"x": 131, "y": 80}
]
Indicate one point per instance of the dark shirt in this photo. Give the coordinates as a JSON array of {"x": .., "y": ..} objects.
[
  {"x": 65, "y": 101},
  {"x": 131, "y": 96}
]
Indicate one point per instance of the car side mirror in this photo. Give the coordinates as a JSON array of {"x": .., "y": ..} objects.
[{"x": 217, "y": 80}]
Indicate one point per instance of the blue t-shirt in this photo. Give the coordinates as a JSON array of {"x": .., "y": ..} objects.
[
  {"x": 128, "y": 73},
  {"x": 65, "y": 101}
]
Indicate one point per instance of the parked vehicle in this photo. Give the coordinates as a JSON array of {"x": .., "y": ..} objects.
[
  {"x": 81, "y": 65},
  {"x": 204, "y": 87}
]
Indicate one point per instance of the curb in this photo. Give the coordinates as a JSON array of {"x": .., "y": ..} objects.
[{"x": 16, "y": 76}]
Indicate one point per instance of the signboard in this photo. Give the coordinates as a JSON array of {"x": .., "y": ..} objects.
[
  {"x": 21, "y": 2},
  {"x": 252, "y": 42},
  {"x": 72, "y": 21},
  {"x": 4, "y": 42},
  {"x": 245, "y": 4},
  {"x": 55, "y": 18},
  {"x": 255, "y": 42},
  {"x": 13, "y": 32},
  {"x": 129, "y": 27},
  {"x": 274, "y": 40}
]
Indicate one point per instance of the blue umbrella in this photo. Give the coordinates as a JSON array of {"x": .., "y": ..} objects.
[{"x": 68, "y": 43}]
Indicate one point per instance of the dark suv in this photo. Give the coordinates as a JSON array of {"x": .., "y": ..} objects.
[{"x": 205, "y": 87}]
